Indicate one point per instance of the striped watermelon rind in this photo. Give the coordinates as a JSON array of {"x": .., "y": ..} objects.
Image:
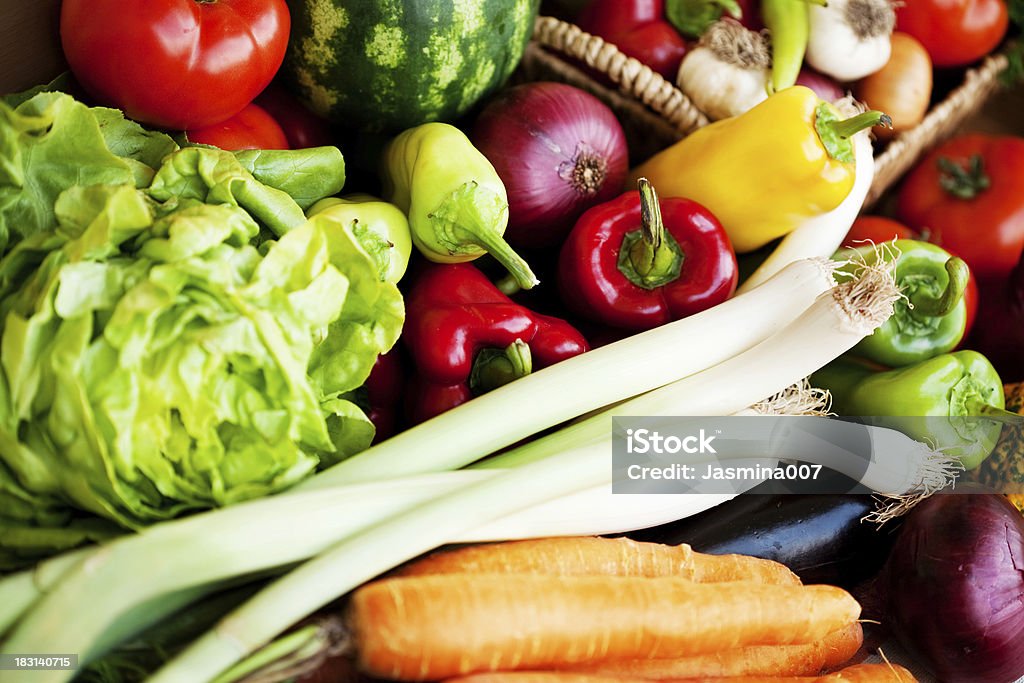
[{"x": 388, "y": 65}]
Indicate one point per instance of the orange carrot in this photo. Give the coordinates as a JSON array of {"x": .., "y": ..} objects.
[
  {"x": 861, "y": 673},
  {"x": 430, "y": 627},
  {"x": 763, "y": 660},
  {"x": 590, "y": 556},
  {"x": 870, "y": 673},
  {"x": 548, "y": 677}
]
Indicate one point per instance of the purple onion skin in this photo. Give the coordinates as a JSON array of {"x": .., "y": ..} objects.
[
  {"x": 823, "y": 86},
  {"x": 955, "y": 585},
  {"x": 558, "y": 150}
]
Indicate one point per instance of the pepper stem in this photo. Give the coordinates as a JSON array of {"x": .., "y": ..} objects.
[
  {"x": 473, "y": 218},
  {"x": 517, "y": 267},
  {"x": 494, "y": 368},
  {"x": 650, "y": 215},
  {"x": 964, "y": 182},
  {"x": 835, "y": 133},
  {"x": 980, "y": 409},
  {"x": 650, "y": 257},
  {"x": 927, "y": 305}
]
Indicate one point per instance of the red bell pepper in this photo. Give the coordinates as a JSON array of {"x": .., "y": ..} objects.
[
  {"x": 638, "y": 263},
  {"x": 467, "y": 338},
  {"x": 384, "y": 390},
  {"x": 639, "y": 29}
]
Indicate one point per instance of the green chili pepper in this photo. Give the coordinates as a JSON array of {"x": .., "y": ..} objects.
[
  {"x": 946, "y": 389},
  {"x": 790, "y": 25},
  {"x": 380, "y": 228},
  {"x": 455, "y": 201},
  {"x": 932, "y": 317}
]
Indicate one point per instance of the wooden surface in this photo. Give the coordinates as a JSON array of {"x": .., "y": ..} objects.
[{"x": 29, "y": 43}]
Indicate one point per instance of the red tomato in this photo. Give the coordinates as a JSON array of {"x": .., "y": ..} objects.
[
  {"x": 177, "y": 64},
  {"x": 955, "y": 32},
  {"x": 877, "y": 229},
  {"x": 969, "y": 193},
  {"x": 251, "y": 128},
  {"x": 302, "y": 127}
]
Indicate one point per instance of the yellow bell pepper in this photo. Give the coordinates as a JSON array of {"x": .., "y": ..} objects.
[{"x": 766, "y": 171}]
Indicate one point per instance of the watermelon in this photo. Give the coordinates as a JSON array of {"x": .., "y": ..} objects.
[{"x": 388, "y": 65}]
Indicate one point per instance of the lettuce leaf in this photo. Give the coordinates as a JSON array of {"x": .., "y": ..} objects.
[
  {"x": 155, "y": 362},
  {"x": 51, "y": 143}
]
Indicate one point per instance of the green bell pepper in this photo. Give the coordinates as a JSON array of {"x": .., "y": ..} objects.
[
  {"x": 380, "y": 228},
  {"x": 456, "y": 203},
  {"x": 931, "y": 318},
  {"x": 931, "y": 401}
]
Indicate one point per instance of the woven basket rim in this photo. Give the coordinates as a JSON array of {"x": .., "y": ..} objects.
[{"x": 667, "y": 102}]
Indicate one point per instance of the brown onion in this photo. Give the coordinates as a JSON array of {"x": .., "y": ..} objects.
[{"x": 558, "y": 150}]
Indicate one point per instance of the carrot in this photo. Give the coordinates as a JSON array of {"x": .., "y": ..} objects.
[
  {"x": 870, "y": 673},
  {"x": 430, "y": 627},
  {"x": 586, "y": 555},
  {"x": 568, "y": 677},
  {"x": 548, "y": 677},
  {"x": 762, "y": 660},
  {"x": 861, "y": 673}
]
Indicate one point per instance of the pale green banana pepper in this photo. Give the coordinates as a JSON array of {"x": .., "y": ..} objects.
[
  {"x": 381, "y": 228},
  {"x": 456, "y": 203}
]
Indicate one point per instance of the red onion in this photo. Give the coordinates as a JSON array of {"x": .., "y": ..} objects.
[
  {"x": 955, "y": 583},
  {"x": 558, "y": 150},
  {"x": 824, "y": 87}
]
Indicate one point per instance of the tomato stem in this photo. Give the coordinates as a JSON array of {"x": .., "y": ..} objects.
[{"x": 964, "y": 180}]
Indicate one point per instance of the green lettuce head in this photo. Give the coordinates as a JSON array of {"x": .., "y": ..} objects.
[{"x": 155, "y": 362}]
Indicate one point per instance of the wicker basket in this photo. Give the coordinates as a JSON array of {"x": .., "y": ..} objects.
[{"x": 655, "y": 113}]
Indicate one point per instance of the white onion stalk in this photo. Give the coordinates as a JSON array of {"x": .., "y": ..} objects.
[
  {"x": 592, "y": 380},
  {"x": 822, "y": 235},
  {"x": 727, "y": 73},
  {"x": 599, "y": 511},
  {"x": 850, "y": 39},
  {"x": 262, "y": 537},
  {"x": 262, "y": 534}
]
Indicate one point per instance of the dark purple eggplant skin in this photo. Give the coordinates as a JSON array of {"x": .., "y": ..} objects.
[{"x": 822, "y": 538}]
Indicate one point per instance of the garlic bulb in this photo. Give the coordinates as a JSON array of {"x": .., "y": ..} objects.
[
  {"x": 727, "y": 73},
  {"x": 849, "y": 39}
]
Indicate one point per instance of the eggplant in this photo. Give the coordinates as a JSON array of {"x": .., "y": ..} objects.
[{"x": 822, "y": 538}]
